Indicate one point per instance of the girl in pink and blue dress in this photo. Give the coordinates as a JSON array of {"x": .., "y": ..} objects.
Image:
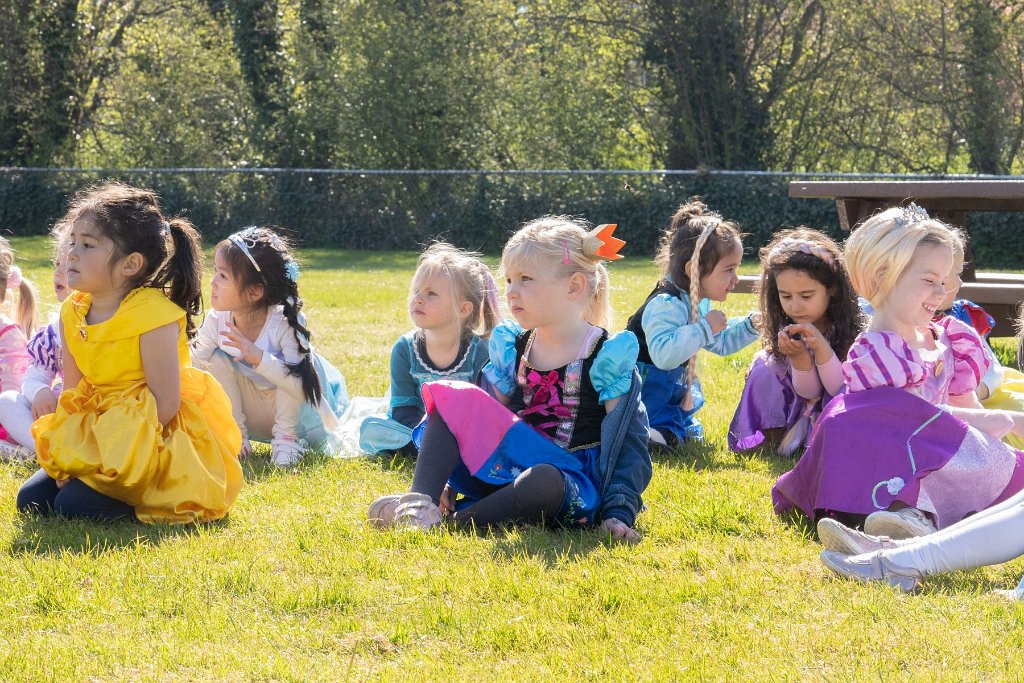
[
  {"x": 900, "y": 448},
  {"x": 810, "y": 318},
  {"x": 14, "y": 357},
  {"x": 563, "y": 439}
]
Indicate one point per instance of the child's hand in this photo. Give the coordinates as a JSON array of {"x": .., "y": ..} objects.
[
  {"x": 247, "y": 351},
  {"x": 813, "y": 339},
  {"x": 717, "y": 320},
  {"x": 447, "y": 501},
  {"x": 619, "y": 530},
  {"x": 1018, "y": 423},
  {"x": 44, "y": 403},
  {"x": 997, "y": 423},
  {"x": 246, "y": 449},
  {"x": 790, "y": 347}
]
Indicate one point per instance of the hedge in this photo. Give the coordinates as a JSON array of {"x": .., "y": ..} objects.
[{"x": 475, "y": 210}]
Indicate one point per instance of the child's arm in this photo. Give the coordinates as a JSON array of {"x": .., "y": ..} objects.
[
  {"x": 739, "y": 333},
  {"x": 38, "y": 389},
  {"x": 827, "y": 367},
  {"x": 406, "y": 405},
  {"x": 671, "y": 338},
  {"x": 159, "y": 348},
  {"x": 500, "y": 370},
  {"x": 205, "y": 343},
  {"x": 72, "y": 375},
  {"x": 266, "y": 364}
]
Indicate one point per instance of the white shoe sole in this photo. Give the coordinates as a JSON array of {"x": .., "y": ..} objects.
[{"x": 894, "y": 526}]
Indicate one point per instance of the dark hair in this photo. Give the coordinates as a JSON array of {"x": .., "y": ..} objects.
[
  {"x": 784, "y": 253},
  {"x": 131, "y": 218},
  {"x": 678, "y": 241},
  {"x": 278, "y": 276}
]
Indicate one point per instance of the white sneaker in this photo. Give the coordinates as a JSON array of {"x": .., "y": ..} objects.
[
  {"x": 418, "y": 512},
  {"x": 285, "y": 452},
  {"x": 840, "y": 538},
  {"x": 902, "y": 523}
]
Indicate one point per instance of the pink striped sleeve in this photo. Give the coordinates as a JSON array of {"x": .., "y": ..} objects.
[
  {"x": 970, "y": 362},
  {"x": 881, "y": 359}
]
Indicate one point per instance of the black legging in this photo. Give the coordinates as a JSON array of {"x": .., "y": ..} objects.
[
  {"x": 535, "y": 495},
  {"x": 39, "y": 494}
]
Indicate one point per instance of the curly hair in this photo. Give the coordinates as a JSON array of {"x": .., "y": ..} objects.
[{"x": 795, "y": 250}]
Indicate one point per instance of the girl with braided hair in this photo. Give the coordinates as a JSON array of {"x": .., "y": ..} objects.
[
  {"x": 699, "y": 254},
  {"x": 256, "y": 343},
  {"x": 562, "y": 437},
  {"x": 811, "y": 318}
]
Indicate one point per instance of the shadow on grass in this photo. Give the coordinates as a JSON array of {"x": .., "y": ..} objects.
[
  {"x": 53, "y": 535},
  {"x": 552, "y": 547},
  {"x": 710, "y": 456}
]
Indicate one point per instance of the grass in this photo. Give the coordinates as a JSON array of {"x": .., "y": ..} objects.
[{"x": 293, "y": 586}]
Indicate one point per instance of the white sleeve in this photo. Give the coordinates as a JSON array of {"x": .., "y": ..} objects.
[
  {"x": 275, "y": 369},
  {"x": 205, "y": 343},
  {"x": 36, "y": 378}
]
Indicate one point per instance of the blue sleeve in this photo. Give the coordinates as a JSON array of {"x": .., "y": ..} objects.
[
  {"x": 477, "y": 357},
  {"x": 738, "y": 333},
  {"x": 404, "y": 389},
  {"x": 671, "y": 338},
  {"x": 612, "y": 370},
  {"x": 500, "y": 370}
]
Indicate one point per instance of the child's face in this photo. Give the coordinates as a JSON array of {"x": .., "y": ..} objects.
[
  {"x": 717, "y": 284},
  {"x": 89, "y": 267},
  {"x": 921, "y": 289},
  {"x": 60, "y": 274},
  {"x": 226, "y": 294},
  {"x": 803, "y": 299},
  {"x": 539, "y": 296},
  {"x": 431, "y": 305},
  {"x": 953, "y": 281}
]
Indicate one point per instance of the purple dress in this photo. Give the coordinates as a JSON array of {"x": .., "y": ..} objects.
[
  {"x": 769, "y": 401},
  {"x": 889, "y": 439}
]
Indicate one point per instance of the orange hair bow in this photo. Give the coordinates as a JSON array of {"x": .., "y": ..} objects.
[{"x": 600, "y": 243}]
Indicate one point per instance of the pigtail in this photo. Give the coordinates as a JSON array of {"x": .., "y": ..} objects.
[
  {"x": 27, "y": 307},
  {"x": 691, "y": 366},
  {"x": 304, "y": 370},
  {"x": 599, "y": 310},
  {"x": 490, "y": 310},
  {"x": 181, "y": 275}
]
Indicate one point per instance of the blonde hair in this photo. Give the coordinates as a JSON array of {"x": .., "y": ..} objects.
[
  {"x": 26, "y": 308},
  {"x": 469, "y": 279},
  {"x": 549, "y": 242},
  {"x": 879, "y": 251}
]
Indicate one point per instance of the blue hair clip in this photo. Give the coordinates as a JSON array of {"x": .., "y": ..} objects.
[{"x": 291, "y": 270}]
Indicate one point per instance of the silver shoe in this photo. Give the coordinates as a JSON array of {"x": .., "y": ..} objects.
[
  {"x": 840, "y": 538},
  {"x": 417, "y": 511},
  {"x": 871, "y": 568},
  {"x": 902, "y": 523},
  {"x": 381, "y": 514}
]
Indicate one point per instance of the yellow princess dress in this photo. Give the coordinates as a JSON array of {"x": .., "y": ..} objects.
[{"x": 105, "y": 431}]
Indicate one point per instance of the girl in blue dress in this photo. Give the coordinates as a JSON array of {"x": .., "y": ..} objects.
[
  {"x": 453, "y": 301},
  {"x": 562, "y": 437}
]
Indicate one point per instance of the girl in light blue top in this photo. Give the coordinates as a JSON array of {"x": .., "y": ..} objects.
[
  {"x": 453, "y": 302},
  {"x": 699, "y": 255}
]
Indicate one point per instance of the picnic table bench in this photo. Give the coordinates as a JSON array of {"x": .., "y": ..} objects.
[{"x": 948, "y": 200}]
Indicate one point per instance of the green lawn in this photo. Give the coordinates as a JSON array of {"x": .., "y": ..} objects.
[{"x": 294, "y": 586}]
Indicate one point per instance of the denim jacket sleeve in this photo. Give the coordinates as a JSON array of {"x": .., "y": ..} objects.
[{"x": 625, "y": 460}]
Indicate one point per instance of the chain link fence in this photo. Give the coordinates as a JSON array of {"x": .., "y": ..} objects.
[{"x": 383, "y": 209}]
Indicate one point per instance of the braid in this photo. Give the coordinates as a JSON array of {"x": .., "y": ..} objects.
[
  {"x": 691, "y": 366},
  {"x": 311, "y": 389}
]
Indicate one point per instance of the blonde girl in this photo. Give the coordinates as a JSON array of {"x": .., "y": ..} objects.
[
  {"x": 899, "y": 448},
  {"x": 699, "y": 255},
  {"x": 14, "y": 358},
  {"x": 453, "y": 303},
  {"x": 562, "y": 438}
]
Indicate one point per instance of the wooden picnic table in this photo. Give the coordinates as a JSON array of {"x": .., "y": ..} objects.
[{"x": 948, "y": 200}]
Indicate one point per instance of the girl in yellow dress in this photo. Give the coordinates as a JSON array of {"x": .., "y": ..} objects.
[{"x": 137, "y": 431}]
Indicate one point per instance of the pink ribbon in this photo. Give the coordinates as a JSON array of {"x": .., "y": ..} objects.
[
  {"x": 545, "y": 400},
  {"x": 14, "y": 278}
]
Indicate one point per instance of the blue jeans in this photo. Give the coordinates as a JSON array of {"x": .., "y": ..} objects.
[{"x": 39, "y": 494}]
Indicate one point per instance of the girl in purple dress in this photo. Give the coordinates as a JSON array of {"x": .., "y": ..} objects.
[
  {"x": 811, "y": 318},
  {"x": 900, "y": 448}
]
